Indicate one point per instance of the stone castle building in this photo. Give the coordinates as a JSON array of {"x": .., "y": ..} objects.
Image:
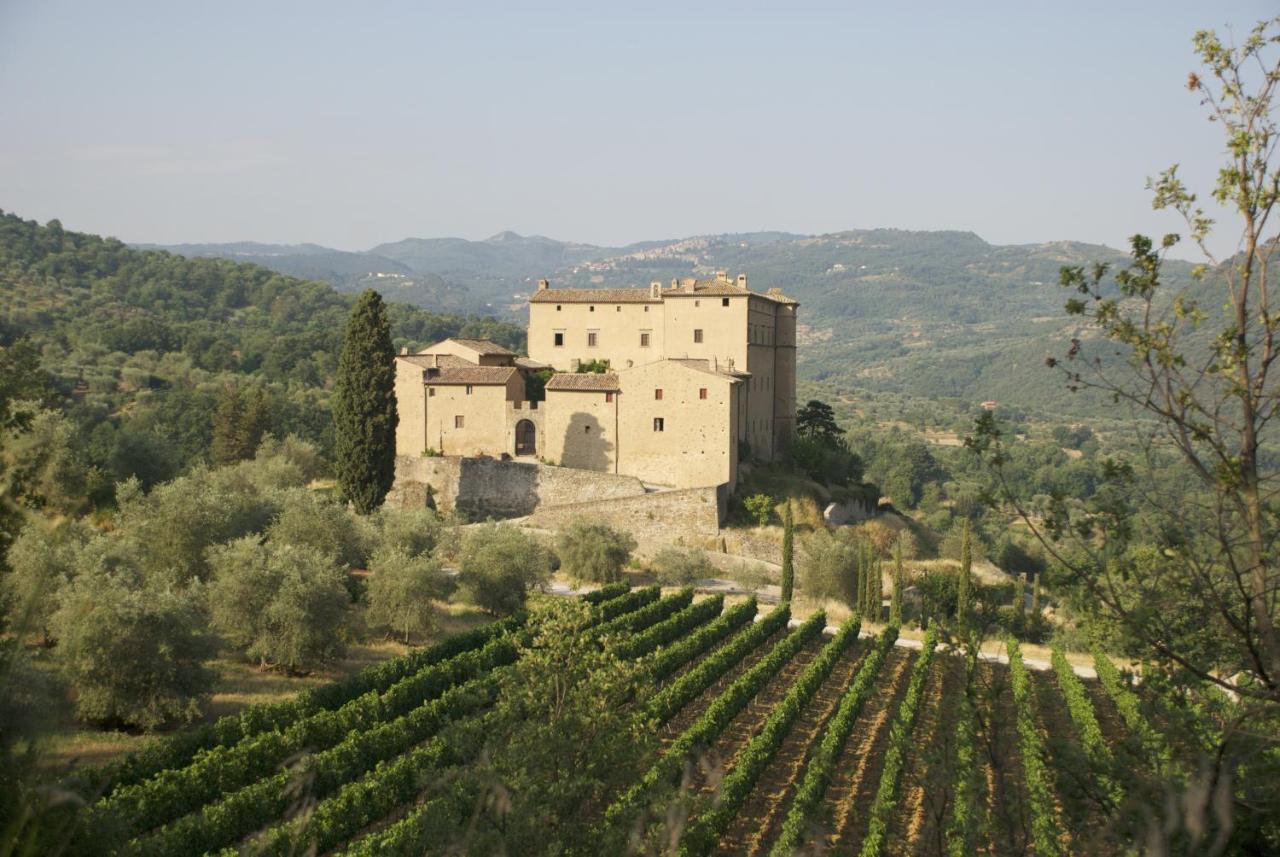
[{"x": 698, "y": 375}]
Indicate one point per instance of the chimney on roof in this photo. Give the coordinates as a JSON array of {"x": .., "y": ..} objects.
[
  {"x": 655, "y": 289},
  {"x": 722, "y": 276},
  {"x": 742, "y": 281},
  {"x": 543, "y": 284},
  {"x": 775, "y": 293},
  {"x": 675, "y": 283},
  {"x": 690, "y": 284},
  {"x": 404, "y": 349}
]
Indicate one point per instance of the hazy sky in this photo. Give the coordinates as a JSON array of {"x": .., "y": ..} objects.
[{"x": 356, "y": 123}]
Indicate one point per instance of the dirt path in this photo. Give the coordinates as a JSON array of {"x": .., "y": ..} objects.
[
  {"x": 718, "y": 759},
  {"x": 858, "y": 770},
  {"x": 674, "y": 727},
  {"x": 756, "y": 826},
  {"x": 928, "y": 778}
]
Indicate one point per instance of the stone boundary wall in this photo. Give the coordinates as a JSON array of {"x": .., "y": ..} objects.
[
  {"x": 480, "y": 488},
  {"x": 690, "y": 515}
]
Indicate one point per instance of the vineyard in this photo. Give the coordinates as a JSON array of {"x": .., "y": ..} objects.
[{"x": 770, "y": 737}]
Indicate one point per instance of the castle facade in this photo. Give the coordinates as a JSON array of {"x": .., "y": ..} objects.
[{"x": 698, "y": 375}]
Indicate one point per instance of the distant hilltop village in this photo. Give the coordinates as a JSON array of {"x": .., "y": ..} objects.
[{"x": 699, "y": 376}]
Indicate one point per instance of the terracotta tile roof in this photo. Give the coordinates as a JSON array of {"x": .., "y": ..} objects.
[
  {"x": 606, "y": 381},
  {"x": 429, "y": 361},
  {"x": 483, "y": 346},
  {"x": 473, "y": 375},
  {"x": 529, "y": 363},
  {"x": 593, "y": 296}
]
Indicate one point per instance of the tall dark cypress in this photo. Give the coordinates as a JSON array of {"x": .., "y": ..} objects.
[
  {"x": 788, "y": 552},
  {"x": 364, "y": 406}
]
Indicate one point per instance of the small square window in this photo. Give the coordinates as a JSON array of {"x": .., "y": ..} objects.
[
  {"x": 697, "y": 303},
  {"x": 702, "y": 392},
  {"x": 559, "y": 339},
  {"x": 459, "y": 421},
  {"x": 618, "y": 308},
  {"x": 557, "y": 307},
  {"x": 591, "y": 338},
  {"x": 658, "y": 424},
  {"x": 431, "y": 391},
  {"x": 591, "y": 309},
  {"x": 644, "y": 340},
  {"x": 470, "y": 389},
  {"x": 724, "y": 302},
  {"x": 646, "y": 309},
  {"x": 657, "y": 394},
  {"x": 586, "y": 429},
  {"x": 697, "y": 334},
  {"x": 608, "y": 397}
]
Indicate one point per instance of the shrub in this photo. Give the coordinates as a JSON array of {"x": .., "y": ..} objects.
[
  {"x": 401, "y": 589},
  {"x": 307, "y": 519},
  {"x": 499, "y": 565},
  {"x": 134, "y": 654},
  {"x": 759, "y": 507},
  {"x": 281, "y": 604},
  {"x": 42, "y": 562},
  {"x": 681, "y": 566},
  {"x": 408, "y": 531},
  {"x": 828, "y": 568},
  {"x": 594, "y": 552}
]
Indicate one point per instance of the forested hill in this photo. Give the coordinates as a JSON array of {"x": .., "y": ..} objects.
[
  {"x": 140, "y": 345},
  {"x": 929, "y": 314}
]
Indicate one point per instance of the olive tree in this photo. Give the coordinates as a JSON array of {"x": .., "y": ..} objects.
[
  {"x": 499, "y": 565},
  {"x": 594, "y": 552},
  {"x": 401, "y": 591}
]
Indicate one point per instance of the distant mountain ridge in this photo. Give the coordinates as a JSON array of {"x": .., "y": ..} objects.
[{"x": 930, "y": 313}]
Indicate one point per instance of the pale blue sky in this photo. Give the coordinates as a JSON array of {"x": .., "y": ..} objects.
[{"x": 351, "y": 124}]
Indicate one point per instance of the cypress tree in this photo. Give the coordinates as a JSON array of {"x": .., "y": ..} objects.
[
  {"x": 1020, "y": 592},
  {"x": 962, "y": 590},
  {"x": 895, "y": 601},
  {"x": 228, "y": 418},
  {"x": 1035, "y": 596},
  {"x": 364, "y": 406},
  {"x": 788, "y": 552}
]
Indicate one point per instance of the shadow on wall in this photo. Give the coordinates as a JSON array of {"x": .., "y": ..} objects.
[{"x": 585, "y": 444}]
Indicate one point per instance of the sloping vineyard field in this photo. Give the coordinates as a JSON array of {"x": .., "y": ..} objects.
[{"x": 775, "y": 737}]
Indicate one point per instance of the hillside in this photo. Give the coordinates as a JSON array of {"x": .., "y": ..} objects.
[
  {"x": 139, "y": 344},
  {"x": 764, "y": 740},
  {"x": 928, "y": 314}
]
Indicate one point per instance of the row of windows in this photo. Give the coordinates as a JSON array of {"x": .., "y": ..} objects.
[
  {"x": 659, "y": 424},
  {"x": 431, "y": 391},
  {"x": 593, "y": 338}
]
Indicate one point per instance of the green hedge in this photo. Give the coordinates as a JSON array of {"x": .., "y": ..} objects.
[
  {"x": 180, "y": 750},
  {"x": 671, "y": 629},
  {"x": 822, "y": 765},
  {"x": 633, "y": 600},
  {"x": 904, "y": 723},
  {"x": 670, "y": 700},
  {"x": 702, "y": 836},
  {"x": 655, "y": 611},
  {"x": 965, "y": 814},
  {"x": 1044, "y": 822},
  {"x": 607, "y": 593},
  {"x": 673, "y": 657},
  {"x": 665, "y": 773}
]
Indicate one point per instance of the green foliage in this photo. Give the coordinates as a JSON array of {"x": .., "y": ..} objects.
[
  {"x": 668, "y": 701},
  {"x": 817, "y": 421},
  {"x": 882, "y": 806},
  {"x": 593, "y": 552},
  {"x": 679, "y": 653},
  {"x": 788, "y": 552},
  {"x": 401, "y": 590},
  {"x": 1080, "y": 707},
  {"x": 561, "y": 740},
  {"x": 670, "y": 629},
  {"x": 306, "y": 519},
  {"x": 965, "y": 579},
  {"x": 966, "y": 815},
  {"x": 759, "y": 507},
  {"x": 829, "y": 567},
  {"x": 637, "y": 618},
  {"x": 499, "y": 565},
  {"x": 662, "y": 775},
  {"x": 899, "y": 585},
  {"x": 281, "y": 604},
  {"x": 414, "y": 532},
  {"x": 239, "y": 423},
  {"x": 703, "y": 834},
  {"x": 179, "y": 750},
  {"x": 42, "y": 560},
  {"x": 597, "y": 367},
  {"x": 676, "y": 566},
  {"x": 1040, "y": 790},
  {"x": 821, "y": 767},
  {"x": 364, "y": 406},
  {"x": 134, "y": 655}
]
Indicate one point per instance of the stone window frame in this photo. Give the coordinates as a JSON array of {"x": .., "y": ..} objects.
[
  {"x": 659, "y": 424},
  {"x": 702, "y": 392},
  {"x": 593, "y": 338},
  {"x": 558, "y": 339},
  {"x": 459, "y": 421},
  {"x": 697, "y": 335},
  {"x": 645, "y": 336},
  {"x": 657, "y": 394}
]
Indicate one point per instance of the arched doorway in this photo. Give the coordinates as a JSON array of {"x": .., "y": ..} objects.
[{"x": 526, "y": 438}]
